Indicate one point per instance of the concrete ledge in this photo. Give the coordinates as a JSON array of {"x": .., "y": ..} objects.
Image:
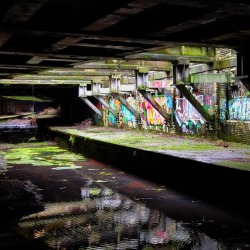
[{"x": 222, "y": 186}]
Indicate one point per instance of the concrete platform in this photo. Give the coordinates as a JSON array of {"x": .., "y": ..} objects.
[{"x": 216, "y": 171}]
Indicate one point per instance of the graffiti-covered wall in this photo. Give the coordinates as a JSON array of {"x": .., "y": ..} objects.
[
  {"x": 187, "y": 117},
  {"x": 217, "y": 99},
  {"x": 150, "y": 118},
  {"x": 239, "y": 109}
]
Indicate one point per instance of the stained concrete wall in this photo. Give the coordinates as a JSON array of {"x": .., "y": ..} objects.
[{"x": 222, "y": 186}]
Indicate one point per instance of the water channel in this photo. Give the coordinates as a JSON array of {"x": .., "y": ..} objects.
[{"x": 52, "y": 198}]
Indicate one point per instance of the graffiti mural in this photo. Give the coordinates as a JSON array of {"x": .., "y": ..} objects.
[
  {"x": 153, "y": 117},
  {"x": 161, "y": 83},
  {"x": 239, "y": 109},
  {"x": 223, "y": 110},
  {"x": 128, "y": 117},
  {"x": 209, "y": 103},
  {"x": 125, "y": 116},
  {"x": 187, "y": 116},
  {"x": 115, "y": 104}
]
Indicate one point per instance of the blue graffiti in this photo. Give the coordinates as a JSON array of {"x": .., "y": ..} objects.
[{"x": 239, "y": 109}]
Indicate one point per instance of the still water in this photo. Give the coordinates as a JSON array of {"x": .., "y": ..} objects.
[{"x": 55, "y": 199}]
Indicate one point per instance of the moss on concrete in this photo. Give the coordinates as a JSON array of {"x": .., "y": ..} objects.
[{"x": 238, "y": 165}]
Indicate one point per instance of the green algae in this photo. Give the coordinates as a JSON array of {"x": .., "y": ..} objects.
[
  {"x": 26, "y": 98},
  {"x": 42, "y": 155},
  {"x": 72, "y": 139},
  {"x": 95, "y": 191},
  {"x": 238, "y": 165},
  {"x": 154, "y": 144},
  {"x": 184, "y": 147},
  {"x": 148, "y": 141}
]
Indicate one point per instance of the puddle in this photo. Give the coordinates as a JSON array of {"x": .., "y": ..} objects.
[{"x": 89, "y": 205}]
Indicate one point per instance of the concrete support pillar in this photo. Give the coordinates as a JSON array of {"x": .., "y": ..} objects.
[
  {"x": 180, "y": 72},
  {"x": 82, "y": 91},
  {"x": 96, "y": 88},
  {"x": 115, "y": 83},
  {"x": 243, "y": 68},
  {"x": 141, "y": 79}
]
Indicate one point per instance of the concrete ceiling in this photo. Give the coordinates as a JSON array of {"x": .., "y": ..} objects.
[{"x": 41, "y": 35}]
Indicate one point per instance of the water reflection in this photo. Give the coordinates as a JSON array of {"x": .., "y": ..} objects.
[
  {"x": 94, "y": 206},
  {"x": 104, "y": 219}
]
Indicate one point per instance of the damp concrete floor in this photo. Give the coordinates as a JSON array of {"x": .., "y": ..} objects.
[{"x": 218, "y": 152}]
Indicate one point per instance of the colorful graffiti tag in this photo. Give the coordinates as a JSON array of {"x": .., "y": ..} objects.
[
  {"x": 151, "y": 116},
  {"x": 223, "y": 110},
  {"x": 239, "y": 109},
  {"x": 186, "y": 115}
]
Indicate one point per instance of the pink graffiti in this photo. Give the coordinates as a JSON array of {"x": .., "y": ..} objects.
[
  {"x": 160, "y": 84},
  {"x": 153, "y": 116}
]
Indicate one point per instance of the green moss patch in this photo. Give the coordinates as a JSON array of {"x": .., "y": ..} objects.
[
  {"x": 26, "y": 98},
  {"x": 239, "y": 165},
  {"x": 42, "y": 155}
]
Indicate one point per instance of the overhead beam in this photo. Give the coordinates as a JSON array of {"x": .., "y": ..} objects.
[
  {"x": 169, "y": 58},
  {"x": 190, "y": 24},
  {"x": 92, "y": 37},
  {"x": 90, "y": 45},
  {"x": 120, "y": 14},
  {"x": 49, "y": 77},
  {"x": 211, "y": 78},
  {"x": 85, "y": 72},
  {"x": 22, "y": 11},
  {"x": 191, "y": 53},
  {"x": 49, "y": 82},
  {"x": 126, "y": 65}
]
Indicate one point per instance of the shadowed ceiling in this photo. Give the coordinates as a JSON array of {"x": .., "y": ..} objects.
[{"x": 40, "y": 35}]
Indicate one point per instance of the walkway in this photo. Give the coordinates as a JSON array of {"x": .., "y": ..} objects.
[{"x": 218, "y": 152}]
